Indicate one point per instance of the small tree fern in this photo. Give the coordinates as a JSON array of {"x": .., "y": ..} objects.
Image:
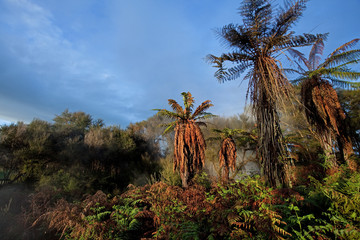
[{"x": 189, "y": 143}]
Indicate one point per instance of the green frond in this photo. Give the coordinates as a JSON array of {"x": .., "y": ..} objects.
[
  {"x": 216, "y": 130},
  {"x": 339, "y": 83},
  {"x": 355, "y": 85},
  {"x": 228, "y": 132},
  {"x": 345, "y": 46},
  {"x": 349, "y": 57},
  {"x": 170, "y": 127},
  {"x": 167, "y": 113},
  {"x": 341, "y": 74},
  {"x": 205, "y": 115},
  {"x": 188, "y": 102},
  {"x": 181, "y": 115}
]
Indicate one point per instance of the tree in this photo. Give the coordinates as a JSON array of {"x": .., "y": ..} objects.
[
  {"x": 255, "y": 46},
  {"x": 320, "y": 100},
  {"x": 189, "y": 143},
  {"x": 79, "y": 120}
]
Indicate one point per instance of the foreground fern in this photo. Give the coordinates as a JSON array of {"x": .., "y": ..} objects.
[{"x": 245, "y": 209}]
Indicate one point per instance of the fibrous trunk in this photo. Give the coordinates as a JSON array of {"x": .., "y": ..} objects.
[
  {"x": 269, "y": 87},
  {"x": 270, "y": 146}
]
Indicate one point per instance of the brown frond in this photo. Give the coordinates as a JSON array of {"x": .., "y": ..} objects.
[
  {"x": 175, "y": 106},
  {"x": 322, "y": 105},
  {"x": 201, "y": 108},
  {"x": 227, "y": 156},
  {"x": 315, "y": 54}
]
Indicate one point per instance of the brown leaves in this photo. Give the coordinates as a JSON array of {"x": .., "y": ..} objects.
[
  {"x": 227, "y": 156},
  {"x": 189, "y": 143},
  {"x": 189, "y": 147},
  {"x": 323, "y": 110},
  {"x": 327, "y": 113}
]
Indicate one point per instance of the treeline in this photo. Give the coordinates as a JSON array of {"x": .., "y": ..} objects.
[{"x": 75, "y": 154}]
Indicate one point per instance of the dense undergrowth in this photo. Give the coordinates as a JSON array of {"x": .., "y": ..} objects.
[{"x": 242, "y": 209}]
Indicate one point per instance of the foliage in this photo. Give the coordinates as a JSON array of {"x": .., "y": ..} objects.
[
  {"x": 74, "y": 155},
  {"x": 243, "y": 209},
  {"x": 97, "y": 217},
  {"x": 350, "y": 103},
  {"x": 329, "y": 210},
  {"x": 246, "y": 143}
]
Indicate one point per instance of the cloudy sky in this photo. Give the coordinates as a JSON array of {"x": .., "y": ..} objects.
[{"x": 116, "y": 59}]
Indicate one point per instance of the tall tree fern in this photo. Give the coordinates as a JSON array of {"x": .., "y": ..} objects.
[{"x": 255, "y": 46}]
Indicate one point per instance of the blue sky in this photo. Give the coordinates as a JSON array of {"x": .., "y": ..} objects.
[{"x": 116, "y": 60}]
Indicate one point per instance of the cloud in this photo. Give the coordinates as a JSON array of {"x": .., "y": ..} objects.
[
  {"x": 45, "y": 72},
  {"x": 117, "y": 60}
]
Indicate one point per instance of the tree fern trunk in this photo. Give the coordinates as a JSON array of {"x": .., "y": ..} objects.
[
  {"x": 185, "y": 178},
  {"x": 225, "y": 175},
  {"x": 330, "y": 158},
  {"x": 270, "y": 146}
]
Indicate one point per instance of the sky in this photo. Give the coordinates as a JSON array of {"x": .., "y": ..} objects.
[{"x": 117, "y": 60}]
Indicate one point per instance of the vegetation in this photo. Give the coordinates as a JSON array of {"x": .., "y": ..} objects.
[
  {"x": 189, "y": 142},
  {"x": 228, "y": 152},
  {"x": 321, "y": 104},
  {"x": 256, "y": 44},
  {"x": 76, "y": 178}
]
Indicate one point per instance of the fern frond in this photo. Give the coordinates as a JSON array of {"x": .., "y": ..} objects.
[
  {"x": 315, "y": 53},
  {"x": 345, "y": 46},
  {"x": 170, "y": 127},
  {"x": 299, "y": 56},
  {"x": 175, "y": 106},
  {"x": 349, "y": 57},
  {"x": 167, "y": 113},
  {"x": 201, "y": 108}
]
